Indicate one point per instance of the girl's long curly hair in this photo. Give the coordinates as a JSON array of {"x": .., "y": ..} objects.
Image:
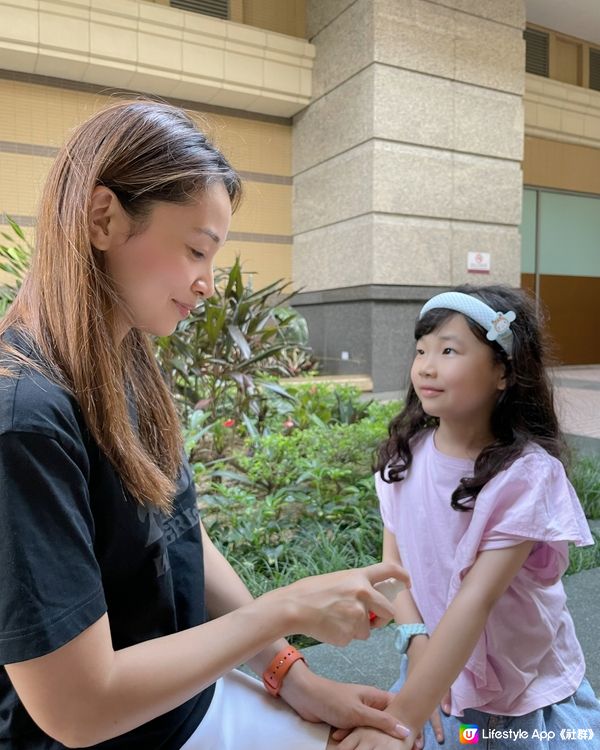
[{"x": 523, "y": 413}]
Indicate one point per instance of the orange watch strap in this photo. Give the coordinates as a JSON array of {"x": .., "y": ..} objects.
[{"x": 279, "y": 667}]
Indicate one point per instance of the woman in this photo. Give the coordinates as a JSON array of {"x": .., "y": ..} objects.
[{"x": 118, "y": 614}]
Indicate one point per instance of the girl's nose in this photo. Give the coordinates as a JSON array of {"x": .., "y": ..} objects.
[{"x": 426, "y": 369}]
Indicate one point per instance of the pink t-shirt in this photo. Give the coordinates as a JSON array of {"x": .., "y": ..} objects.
[{"x": 528, "y": 655}]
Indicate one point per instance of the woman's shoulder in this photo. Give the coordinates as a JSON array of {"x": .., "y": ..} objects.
[{"x": 31, "y": 400}]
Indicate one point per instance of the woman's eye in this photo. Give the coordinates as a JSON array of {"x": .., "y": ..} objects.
[
  {"x": 448, "y": 349},
  {"x": 196, "y": 253},
  {"x": 420, "y": 351}
]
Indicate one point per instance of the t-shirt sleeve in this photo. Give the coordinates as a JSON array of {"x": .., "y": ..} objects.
[
  {"x": 534, "y": 500},
  {"x": 384, "y": 494},
  {"x": 51, "y": 583}
]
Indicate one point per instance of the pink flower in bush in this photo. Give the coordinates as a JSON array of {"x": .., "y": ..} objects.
[
  {"x": 289, "y": 423},
  {"x": 229, "y": 423}
]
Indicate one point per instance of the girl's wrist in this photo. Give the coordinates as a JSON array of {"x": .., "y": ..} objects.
[
  {"x": 417, "y": 645},
  {"x": 409, "y": 711}
]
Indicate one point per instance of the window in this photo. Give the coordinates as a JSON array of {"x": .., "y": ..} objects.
[
  {"x": 216, "y": 8},
  {"x": 595, "y": 69},
  {"x": 536, "y": 52},
  {"x": 560, "y": 57}
]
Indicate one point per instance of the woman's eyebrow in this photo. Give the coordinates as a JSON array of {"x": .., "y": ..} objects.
[{"x": 209, "y": 232}]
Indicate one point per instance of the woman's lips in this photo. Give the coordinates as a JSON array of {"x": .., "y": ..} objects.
[{"x": 184, "y": 310}]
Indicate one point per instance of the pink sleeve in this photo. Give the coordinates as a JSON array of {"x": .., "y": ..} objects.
[
  {"x": 534, "y": 500},
  {"x": 385, "y": 495}
]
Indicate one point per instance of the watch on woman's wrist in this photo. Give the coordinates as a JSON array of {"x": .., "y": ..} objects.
[{"x": 405, "y": 633}]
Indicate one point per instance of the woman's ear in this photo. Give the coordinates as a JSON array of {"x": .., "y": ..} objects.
[{"x": 107, "y": 220}]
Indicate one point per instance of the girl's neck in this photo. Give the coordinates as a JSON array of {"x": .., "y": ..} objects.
[{"x": 462, "y": 440}]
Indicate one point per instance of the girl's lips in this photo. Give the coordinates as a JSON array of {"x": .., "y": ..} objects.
[{"x": 430, "y": 391}]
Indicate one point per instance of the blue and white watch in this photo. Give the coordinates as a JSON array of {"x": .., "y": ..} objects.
[{"x": 404, "y": 634}]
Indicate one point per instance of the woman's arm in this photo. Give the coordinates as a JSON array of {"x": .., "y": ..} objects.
[
  {"x": 315, "y": 698},
  {"x": 225, "y": 591},
  {"x": 85, "y": 692},
  {"x": 454, "y": 639}
]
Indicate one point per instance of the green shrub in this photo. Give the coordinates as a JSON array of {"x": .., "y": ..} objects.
[
  {"x": 584, "y": 558},
  {"x": 314, "y": 403},
  {"x": 324, "y": 457},
  {"x": 298, "y": 503},
  {"x": 223, "y": 357},
  {"x": 585, "y": 476},
  {"x": 14, "y": 261}
]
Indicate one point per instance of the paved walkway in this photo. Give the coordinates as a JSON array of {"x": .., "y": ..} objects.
[
  {"x": 578, "y": 405},
  {"x": 375, "y": 662}
]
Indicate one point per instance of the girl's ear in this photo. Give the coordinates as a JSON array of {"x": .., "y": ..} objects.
[
  {"x": 107, "y": 220},
  {"x": 503, "y": 379}
]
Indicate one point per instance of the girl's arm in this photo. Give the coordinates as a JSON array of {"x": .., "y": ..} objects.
[
  {"x": 85, "y": 692},
  {"x": 449, "y": 648},
  {"x": 454, "y": 639},
  {"x": 405, "y": 609}
]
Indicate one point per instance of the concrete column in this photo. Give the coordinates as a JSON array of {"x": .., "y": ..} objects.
[{"x": 408, "y": 157}]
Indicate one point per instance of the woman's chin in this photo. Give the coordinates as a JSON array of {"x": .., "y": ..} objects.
[{"x": 159, "y": 329}]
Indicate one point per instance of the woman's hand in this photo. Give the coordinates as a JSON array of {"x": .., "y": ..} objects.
[
  {"x": 334, "y": 608},
  {"x": 365, "y": 738},
  {"x": 341, "y": 705}
]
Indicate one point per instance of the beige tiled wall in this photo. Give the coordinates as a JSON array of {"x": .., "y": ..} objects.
[
  {"x": 166, "y": 51},
  {"x": 35, "y": 115},
  {"x": 562, "y": 112}
]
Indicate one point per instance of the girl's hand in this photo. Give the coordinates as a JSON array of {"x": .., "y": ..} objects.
[
  {"x": 334, "y": 607},
  {"x": 342, "y": 705},
  {"x": 365, "y": 738},
  {"x": 436, "y": 723}
]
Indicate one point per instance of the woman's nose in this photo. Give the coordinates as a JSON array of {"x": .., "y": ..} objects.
[{"x": 204, "y": 286}]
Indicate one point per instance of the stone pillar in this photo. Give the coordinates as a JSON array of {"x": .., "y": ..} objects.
[{"x": 408, "y": 157}]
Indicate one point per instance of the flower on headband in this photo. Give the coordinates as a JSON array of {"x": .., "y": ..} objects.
[{"x": 500, "y": 325}]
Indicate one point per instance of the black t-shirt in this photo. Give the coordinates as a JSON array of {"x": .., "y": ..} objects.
[{"x": 74, "y": 545}]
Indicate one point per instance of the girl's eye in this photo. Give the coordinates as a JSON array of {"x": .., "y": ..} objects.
[
  {"x": 196, "y": 253},
  {"x": 420, "y": 351},
  {"x": 448, "y": 349}
]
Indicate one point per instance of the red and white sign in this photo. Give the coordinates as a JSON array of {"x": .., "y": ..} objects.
[{"x": 478, "y": 262}]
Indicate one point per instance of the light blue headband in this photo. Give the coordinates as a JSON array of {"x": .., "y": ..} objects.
[{"x": 496, "y": 324}]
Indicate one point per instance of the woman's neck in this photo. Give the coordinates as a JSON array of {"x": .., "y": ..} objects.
[{"x": 462, "y": 440}]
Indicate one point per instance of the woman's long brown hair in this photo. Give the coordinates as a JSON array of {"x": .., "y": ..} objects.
[
  {"x": 524, "y": 412},
  {"x": 145, "y": 152}
]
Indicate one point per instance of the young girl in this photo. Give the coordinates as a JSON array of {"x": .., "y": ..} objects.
[
  {"x": 117, "y": 612},
  {"x": 476, "y": 503}
]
